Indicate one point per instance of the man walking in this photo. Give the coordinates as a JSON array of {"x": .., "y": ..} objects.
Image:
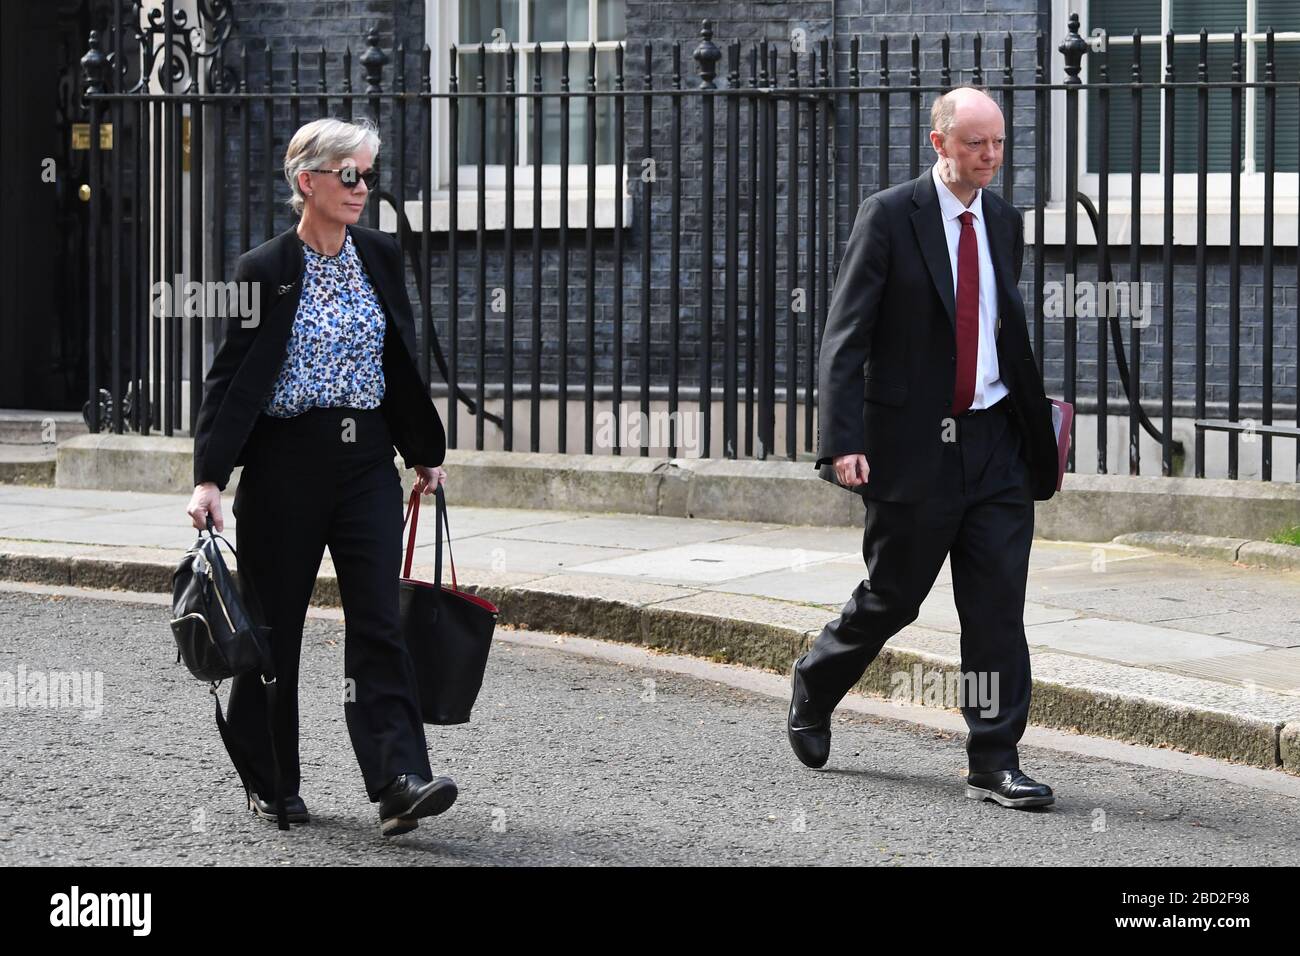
[{"x": 932, "y": 408}]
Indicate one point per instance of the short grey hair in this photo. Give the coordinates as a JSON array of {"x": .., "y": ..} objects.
[
  {"x": 944, "y": 111},
  {"x": 321, "y": 143}
]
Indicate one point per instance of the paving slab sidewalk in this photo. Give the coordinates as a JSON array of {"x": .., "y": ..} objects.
[{"x": 1126, "y": 642}]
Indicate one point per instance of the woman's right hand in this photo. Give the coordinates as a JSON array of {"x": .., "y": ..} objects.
[{"x": 206, "y": 500}]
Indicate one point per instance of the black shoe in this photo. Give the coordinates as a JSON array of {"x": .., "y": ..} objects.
[
  {"x": 1011, "y": 788},
  {"x": 410, "y": 797},
  {"x": 810, "y": 735},
  {"x": 295, "y": 811}
]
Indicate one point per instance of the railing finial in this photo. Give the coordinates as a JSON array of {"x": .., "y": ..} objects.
[
  {"x": 1073, "y": 47},
  {"x": 372, "y": 62},
  {"x": 707, "y": 56},
  {"x": 93, "y": 65}
]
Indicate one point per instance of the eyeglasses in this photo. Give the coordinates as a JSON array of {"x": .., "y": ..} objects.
[{"x": 349, "y": 176}]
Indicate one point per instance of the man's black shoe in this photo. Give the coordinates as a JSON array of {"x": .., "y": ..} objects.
[
  {"x": 409, "y": 797},
  {"x": 1011, "y": 788},
  {"x": 295, "y": 811},
  {"x": 810, "y": 734}
]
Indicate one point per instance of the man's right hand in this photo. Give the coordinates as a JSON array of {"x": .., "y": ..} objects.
[
  {"x": 851, "y": 469},
  {"x": 205, "y": 500}
]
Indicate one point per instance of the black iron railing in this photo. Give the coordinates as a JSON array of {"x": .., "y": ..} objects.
[{"x": 731, "y": 319}]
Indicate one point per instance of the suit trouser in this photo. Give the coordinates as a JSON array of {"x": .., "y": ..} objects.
[
  {"x": 981, "y": 516},
  {"x": 310, "y": 481}
]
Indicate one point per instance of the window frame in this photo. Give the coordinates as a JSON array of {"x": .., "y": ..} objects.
[
  {"x": 441, "y": 24},
  {"x": 1218, "y": 185}
]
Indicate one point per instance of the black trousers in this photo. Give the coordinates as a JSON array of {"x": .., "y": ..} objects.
[
  {"x": 981, "y": 516},
  {"x": 327, "y": 477}
]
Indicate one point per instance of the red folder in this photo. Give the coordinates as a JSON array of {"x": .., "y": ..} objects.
[{"x": 1062, "y": 417}]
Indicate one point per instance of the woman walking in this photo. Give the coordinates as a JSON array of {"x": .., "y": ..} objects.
[{"x": 311, "y": 397}]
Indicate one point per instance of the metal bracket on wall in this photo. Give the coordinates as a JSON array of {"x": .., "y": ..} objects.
[{"x": 1105, "y": 274}]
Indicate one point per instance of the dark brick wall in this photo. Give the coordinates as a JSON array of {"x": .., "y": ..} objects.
[
  {"x": 1217, "y": 336},
  {"x": 334, "y": 24},
  {"x": 336, "y": 27}
]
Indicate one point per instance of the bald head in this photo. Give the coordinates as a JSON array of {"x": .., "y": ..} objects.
[
  {"x": 967, "y": 132},
  {"x": 968, "y": 102}
]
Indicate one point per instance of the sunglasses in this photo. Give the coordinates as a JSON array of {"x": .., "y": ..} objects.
[{"x": 349, "y": 176}]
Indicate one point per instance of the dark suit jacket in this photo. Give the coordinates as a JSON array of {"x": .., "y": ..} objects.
[
  {"x": 889, "y": 353},
  {"x": 248, "y": 362}
]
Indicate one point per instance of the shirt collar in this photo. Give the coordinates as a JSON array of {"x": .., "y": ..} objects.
[
  {"x": 344, "y": 253},
  {"x": 949, "y": 205}
]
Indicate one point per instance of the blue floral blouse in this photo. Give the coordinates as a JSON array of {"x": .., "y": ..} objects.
[{"x": 336, "y": 347}]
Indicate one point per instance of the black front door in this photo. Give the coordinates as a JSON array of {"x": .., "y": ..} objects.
[{"x": 43, "y": 209}]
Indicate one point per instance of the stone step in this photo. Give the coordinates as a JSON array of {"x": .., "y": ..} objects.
[
  {"x": 27, "y": 464},
  {"x": 31, "y": 426}
]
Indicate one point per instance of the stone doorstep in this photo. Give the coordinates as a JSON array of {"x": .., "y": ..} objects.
[
  {"x": 25, "y": 458},
  {"x": 1088, "y": 697},
  {"x": 26, "y": 469},
  {"x": 26, "y": 425}
]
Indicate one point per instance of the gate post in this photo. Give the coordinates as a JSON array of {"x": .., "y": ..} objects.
[
  {"x": 372, "y": 63},
  {"x": 1073, "y": 47},
  {"x": 93, "y": 64}
]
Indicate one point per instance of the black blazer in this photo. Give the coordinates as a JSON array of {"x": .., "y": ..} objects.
[
  {"x": 889, "y": 348},
  {"x": 248, "y": 362}
]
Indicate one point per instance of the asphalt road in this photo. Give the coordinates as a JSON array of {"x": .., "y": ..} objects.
[{"x": 570, "y": 759}]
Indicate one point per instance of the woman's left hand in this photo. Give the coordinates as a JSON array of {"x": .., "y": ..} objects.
[{"x": 427, "y": 479}]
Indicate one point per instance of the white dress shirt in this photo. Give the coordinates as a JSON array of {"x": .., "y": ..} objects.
[{"x": 988, "y": 386}]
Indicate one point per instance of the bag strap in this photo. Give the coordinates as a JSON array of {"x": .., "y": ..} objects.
[
  {"x": 216, "y": 537},
  {"x": 440, "y": 519},
  {"x": 412, "y": 511},
  {"x": 268, "y": 683},
  {"x": 238, "y": 757},
  {"x": 268, "y": 666},
  {"x": 281, "y": 817}
]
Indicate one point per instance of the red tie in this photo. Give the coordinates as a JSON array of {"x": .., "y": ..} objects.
[{"x": 968, "y": 314}]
